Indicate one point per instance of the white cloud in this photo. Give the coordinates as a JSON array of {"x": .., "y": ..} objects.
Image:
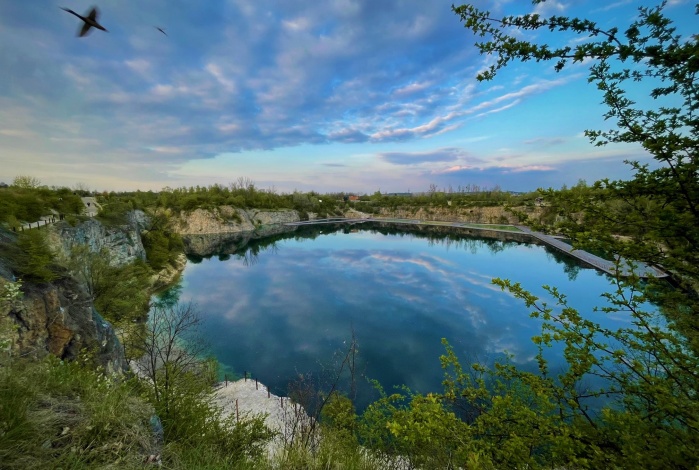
[{"x": 550, "y": 7}]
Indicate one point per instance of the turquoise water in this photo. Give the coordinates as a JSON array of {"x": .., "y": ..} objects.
[{"x": 287, "y": 308}]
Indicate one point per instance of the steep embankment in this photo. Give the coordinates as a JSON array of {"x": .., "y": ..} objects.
[
  {"x": 122, "y": 242},
  {"x": 226, "y": 219},
  {"x": 205, "y": 232},
  {"x": 58, "y": 318},
  {"x": 225, "y": 228}
]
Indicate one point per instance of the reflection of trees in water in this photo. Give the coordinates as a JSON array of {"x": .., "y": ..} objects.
[
  {"x": 571, "y": 266},
  {"x": 248, "y": 250},
  {"x": 169, "y": 297},
  {"x": 467, "y": 244},
  {"x": 250, "y": 255},
  {"x": 451, "y": 237}
]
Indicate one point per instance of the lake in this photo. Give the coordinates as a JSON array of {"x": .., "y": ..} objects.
[{"x": 286, "y": 306}]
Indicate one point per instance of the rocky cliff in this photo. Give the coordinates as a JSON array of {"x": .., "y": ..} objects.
[
  {"x": 123, "y": 242},
  {"x": 205, "y": 245},
  {"x": 58, "y": 318},
  {"x": 226, "y": 219}
]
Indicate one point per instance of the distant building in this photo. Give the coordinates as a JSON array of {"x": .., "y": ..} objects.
[
  {"x": 354, "y": 198},
  {"x": 91, "y": 206}
]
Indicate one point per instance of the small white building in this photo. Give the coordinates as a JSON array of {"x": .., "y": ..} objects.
[{"x": 91, "y": 206}]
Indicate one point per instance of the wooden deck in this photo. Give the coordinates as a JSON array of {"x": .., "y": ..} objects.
[{"x": 640, "y": 269}]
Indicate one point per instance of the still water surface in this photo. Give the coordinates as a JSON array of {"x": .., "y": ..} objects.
[{"x": 285, "y": 309}]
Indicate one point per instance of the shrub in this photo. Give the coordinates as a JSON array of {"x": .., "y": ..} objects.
[{"x": 34, "y": 259}]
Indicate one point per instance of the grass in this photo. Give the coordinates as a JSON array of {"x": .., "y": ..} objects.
[
  {"x": 55, "y": 414},
  {"x": 60, "y": 415}
]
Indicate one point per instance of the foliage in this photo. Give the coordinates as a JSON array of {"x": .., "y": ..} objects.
[
  {"x": 334, "y": 451},
  {"x": 66, "y": 415},
  {"x": 123, "y": 296},
  {"x": 339, "y": 414},
  {"x": 113, "y": 211},
  {"x": 10, "y": 293},
  {"x": 162, "y": 244},
  {"x": 56, "y": 414},
  {"x": 429, "y": 435},
  {"x": 26, "y": 203},
  {"x": 88, "y": 267},
  {"x": 221, "y": 443},
  {"x": 658, "y": 208},
  {"x": 310, "y": 396},
  {"x": 647, "y": 371},
  {"x": 34, "y": 260},
  {"x": 415, "y": 429},
  {"x": 119, "y": 293},
  {"x": 10, "y": 300},
  {"x": 26, "y": 182},
  {"x": 172, "y": 361}
]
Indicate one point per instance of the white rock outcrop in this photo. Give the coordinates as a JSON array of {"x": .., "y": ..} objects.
[{"x": 227, "y": 219}]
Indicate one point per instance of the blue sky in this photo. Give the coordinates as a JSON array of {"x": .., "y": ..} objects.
[{"x": 339, "y": 95}]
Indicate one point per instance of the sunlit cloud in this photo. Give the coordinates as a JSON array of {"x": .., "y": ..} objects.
[{"x": 551, "y": 7}]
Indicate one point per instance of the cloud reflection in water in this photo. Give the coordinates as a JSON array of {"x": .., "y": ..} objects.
[{"x": 292, "y": 309}]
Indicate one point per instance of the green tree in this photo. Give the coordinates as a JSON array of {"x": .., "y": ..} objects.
[
  {"x": 120, "y": 295},
  {"x": 647, "y": 370},
  {"x": 161, "y": 243},
  {"x": 26, "y": 182},
  {"x": 118, "y": 292},
  {"x": 34, "y": 260},
  {"x": 89, "y": 267}
]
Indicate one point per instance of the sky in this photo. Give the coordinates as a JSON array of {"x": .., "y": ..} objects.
[{"x": 337, "y": 95}]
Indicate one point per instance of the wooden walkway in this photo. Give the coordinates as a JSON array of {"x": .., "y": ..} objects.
[{"x": 640, "y": 269}]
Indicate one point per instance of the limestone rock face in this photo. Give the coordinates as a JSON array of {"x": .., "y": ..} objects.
[
  {"x": 58, "y": 318},
  {"x": 273, "y": 217},
  {"x": 226, "y": 219},
  {"x": 169, "y": 274},
  {"x": 123, "y": 242},
  {"x": 204, "y": 245}
]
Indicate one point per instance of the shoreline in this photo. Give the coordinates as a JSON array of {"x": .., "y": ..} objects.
[{"x": 247, "y": 398}]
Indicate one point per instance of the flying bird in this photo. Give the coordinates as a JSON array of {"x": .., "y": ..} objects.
[
  {"x": 90, "y": 21},
  {"x": 161, "y": 30}
]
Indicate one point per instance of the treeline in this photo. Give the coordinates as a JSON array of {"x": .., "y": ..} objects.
[
  {"x": 26, "y": 200},
  {"x": 210, "y": 197},
  {"x": 248, "y": 196},
  {"x": 21, "y": 203},
  {"x": 446, "y": 199}
]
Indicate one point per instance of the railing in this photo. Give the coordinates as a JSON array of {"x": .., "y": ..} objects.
[{"x": 37, "y": 224}]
